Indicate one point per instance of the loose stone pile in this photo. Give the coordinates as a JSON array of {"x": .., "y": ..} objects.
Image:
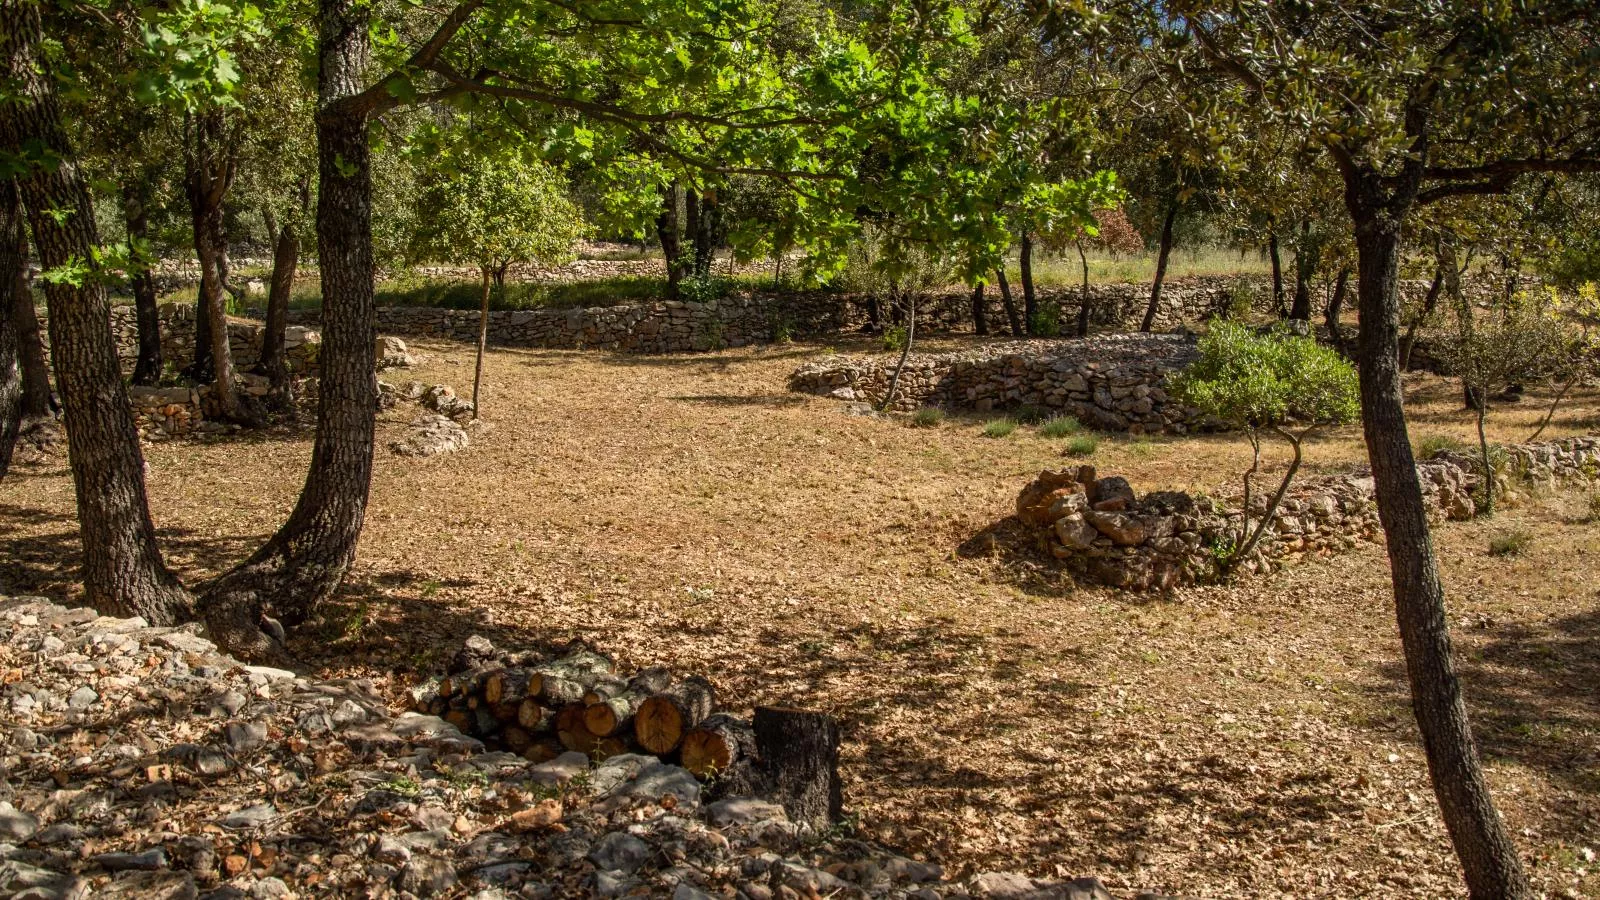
[
  {"x": 142, "y": 763},
  {"x": 1110, "y": 382},
  {"x": 440, "y": 425},
  {"x": 1105, "y": 533}
]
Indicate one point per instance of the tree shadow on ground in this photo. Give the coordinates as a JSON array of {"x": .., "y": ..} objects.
[
  {"x": 1533, "y": 695},
  {"x": 773, "y": 401}
]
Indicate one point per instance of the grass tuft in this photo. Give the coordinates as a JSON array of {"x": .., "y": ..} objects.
[
  {"x": 927, "y": 417},
  {"x": 1082, "y": 445},
  {"x": 1433, "y": 444},
  {"x": 1059, "y": 426},
  {"x": 1511, "y": 543},
  {"x": 999, "y": 428}
]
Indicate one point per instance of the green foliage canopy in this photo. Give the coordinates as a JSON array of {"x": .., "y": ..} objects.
[
  {"x": 1261, "y": 381},
  {"x": 491, "y": 209}
]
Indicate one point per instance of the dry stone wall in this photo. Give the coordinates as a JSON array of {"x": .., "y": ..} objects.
[
  {"x": 1104, "y": 533},
  {"x": 1114, "y": 382}
]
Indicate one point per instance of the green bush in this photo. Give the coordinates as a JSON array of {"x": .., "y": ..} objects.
[
  {"x": 927, "y": 417},
  {"x": 999, "y": 428},
  {"x": 1082, "y": 445},
  {"x": 703, "y": 290},
  {"x": 1059, "y": 426},
  {"x": 894, "y": 338},
  {"x": 1511, "y": 543},
  {"x": 1047, "y": 320}
]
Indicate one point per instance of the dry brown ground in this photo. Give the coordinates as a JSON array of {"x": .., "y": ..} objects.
[{"x": 1245, "y": 741}]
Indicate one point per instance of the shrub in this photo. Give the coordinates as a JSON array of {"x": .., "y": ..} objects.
[
  {"x": 894, "y": 338},
  {"x": 1047, "y": 320},
  {"x": 703, "y": 290},
  {"x": 1268, "y": 382},
  {"x": 927, "y": 417},
  {"x": 1511, "y": 543},
  {"x": 999, "y": 428},
  {"x": 1059, "y": 427},
  {"x": 1433, "y": 444},
  {"x": 1082, "y": 445}
]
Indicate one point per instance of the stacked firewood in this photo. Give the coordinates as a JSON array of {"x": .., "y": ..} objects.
[{"x": 540, "y": 706}]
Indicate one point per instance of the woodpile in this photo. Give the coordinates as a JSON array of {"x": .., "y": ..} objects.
[{"x": 540, "y": 706}]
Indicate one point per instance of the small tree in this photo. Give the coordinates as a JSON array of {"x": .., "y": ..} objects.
[
  {"x": 1274, "y": 382},
  {"x": 492, "y": 209}
]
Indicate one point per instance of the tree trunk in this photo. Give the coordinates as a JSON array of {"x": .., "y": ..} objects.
[
  {"x": 905, "y": 353},
  {"x": 691, "y": 231},
  {"x": 667, "y": 231},
  {"x": 1030, "y": 298},
  {"x": 200, "y": 366},
  {"x": 705, "y": 234},
  {"x": 1429, "y": 304},
  {"x": 980, "y": 315},
  {"x": 1163, "y": 253},
  {"x": 38, "y": 402},
  {"x": 1482, "y": 842},
  {"x": 307, "y": 559},
  {"x": 10, "y": 372},
  {"x": 1277, "y": 273},
  {"x": 1084, "y": 301},
  {"x": 1306, "y": 261},
  {"x": 799, "y": 753},
  {"x": 1007, "y": 303},
  {"x": 1335, "y": 310},
  {"x": 147, "y": 369},
  {"x": 483, "y": 341},
  {"x": 208, "y": 172},
  {"x": 271, "y": 363},
  {"x": 123, "y": 573}
]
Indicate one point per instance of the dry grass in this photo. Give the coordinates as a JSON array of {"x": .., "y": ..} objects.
[{"x": 1245, "y": 741}]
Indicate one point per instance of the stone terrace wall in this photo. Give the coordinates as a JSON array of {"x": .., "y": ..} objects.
[
  {"x": 1114, "y": 382},
  {"x": 301, "y": 344},
  {"x": 1104, "y": 533}
]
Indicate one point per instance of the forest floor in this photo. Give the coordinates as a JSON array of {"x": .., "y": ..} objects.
[{"x": 1248, "y": 740}]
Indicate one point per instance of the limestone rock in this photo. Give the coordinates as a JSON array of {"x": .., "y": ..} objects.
[
  {"x": 1124, "y": 530},
  {"x": 429, "y": 435}
]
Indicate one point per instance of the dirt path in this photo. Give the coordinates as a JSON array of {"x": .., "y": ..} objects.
[{"x": 1252, "y": 741}]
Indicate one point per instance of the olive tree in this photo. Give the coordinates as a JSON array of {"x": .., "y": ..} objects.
[
  {"x": 1268, "y": 383},
  {"x": 491, "y": 210}
]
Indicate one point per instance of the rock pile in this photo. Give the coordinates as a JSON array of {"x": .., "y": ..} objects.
[
  {"x": 1105, "y": 533},
  {"x": 1109, "y": 382},
  {"x": 441, "y": 424},
  {"x": 142, "y": 763},
  {"x": 165, "y": 412}
]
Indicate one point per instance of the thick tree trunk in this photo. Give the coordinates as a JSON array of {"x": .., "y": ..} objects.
[
  {"x": 1335, "y": 310},
  {"x": 980, "y": 312},
  {"x": 1163, "y": 253},
  {"x": 38, "y": 401},
  {"x": 11, "y": 226},
  {"x": 1030, "y": 298},
  {"x": 667, "y": 232},
  {"x": 1306, "y": 261},
  {"x": 208, "y": 171},
  {"x": 271, "y": 363},
  {"x": 1482, "y": 842},
  {"x": 1276, "y": 258},
  {"x": 1007, "y": 303},
  {"x": 123, "y": 573},
  {"x": 307, "y": 559},
  {"x": 799, "y": 753},
  {"x": 200, "y": 366},
  {"x": 147, "y": 368}
]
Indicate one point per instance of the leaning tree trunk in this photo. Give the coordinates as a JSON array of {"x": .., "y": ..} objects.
[
  {"x": 10, "y": 372},
  {"x": 307, "y": 559},
  {"x": 1030, "y": 298},
  {"x": 38, "y": 402},
  {"x": 209, "y": 173},
  {"x": 483, "y": 341},
  {"x": 1430, "y": 302},
  {"x": 905, "y": 352},
  {"x": 1335, "y": 311},
  {"x": 123, "y": 573},
  {"x": 1482, "y": 842},
  {"x": 980, "y": 314},
  {"x": 1277, "y": 273},
  {"x": 1163, "y": 253},
  {"x": 1007, "y": 303},
  {"x": 271, "y": 362},
  {"x": 147, "y": 369}
]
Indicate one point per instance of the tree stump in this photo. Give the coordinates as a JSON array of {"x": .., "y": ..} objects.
[{"x": 799, "y": 754}]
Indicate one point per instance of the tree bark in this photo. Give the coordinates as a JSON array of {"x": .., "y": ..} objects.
[
  {"x": 1276, "y": 258},
  {"x": 1482, "y": 843},
  {"x": 308, "y": 557},
  {"x": 483, "y": 341},
  {"x": 38, "y": 401},
  {"x": 667, "y": 231},
  {"x": 1429, "y": 304},
  {"x": 1030, "y": 298},
  {"x": 1084, "y": 301},
  {"x": 123, "y": 573},
  {"x": 1335, "y": 310},
  {"x": 905, "y": 353},
  {"x": 147, "y": 368},
  {"x": 1306, "y": 261},
  {"x": 980, "y": 313},
  {"x": 799, "y": 753},
  {"x": 10, "y": 372},
  {"x": 704, "y": 231},
  {"x": 271, "y": 362},
  {"x": 1007, "y": 303},
  {"x": 1163, "y": 253},
  {"x": 208, "y": 173}
]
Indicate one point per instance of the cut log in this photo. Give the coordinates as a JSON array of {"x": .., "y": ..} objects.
[
  {"x": 485, "y": 722},
  {"x": 799, "y": 754},
  {"x": 717, "y": 743},
  {"x": 571, "y": 732},
  {"x": 605, "y": 748},
  {"x": 462, "y": 719},
  {"x": 554, "y": 690},
  {"x": 534, "y": 717},
  {"x": 476, "y": 652},
  {"x": 612, "y": 715},
  {"x": 507, "y": 685},
  {"x": 542, "y": 750},
  {"x": 460, "y": 684},
  {"x": 605, "y": 687},
  {"x": 505, "y": 712},
  {"x": 582, "y": 666},
  {"x": 516, "y": 739},
  {"x": 664, "y": 718}
]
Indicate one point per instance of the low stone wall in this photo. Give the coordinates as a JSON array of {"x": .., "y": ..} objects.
[
  {"x": 1104, "y": 533},
  {"x": 1114, "y": 382},
  {"x": 301, "y": 344}
]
